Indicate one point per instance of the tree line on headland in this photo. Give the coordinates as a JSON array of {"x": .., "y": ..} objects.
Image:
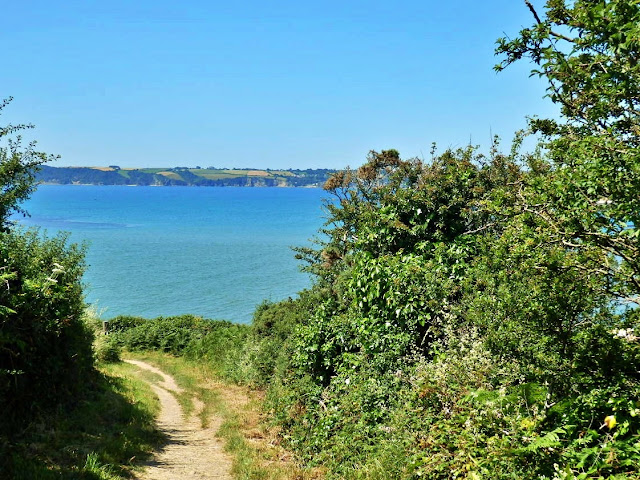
[
  {"x": 183, "y": 176},
  {"x": 473, "y": 315}
]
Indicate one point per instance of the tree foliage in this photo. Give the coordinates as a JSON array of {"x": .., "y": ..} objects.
[
  {"x": 402, "y": 234},
  {"x": 587, "y": 51},
  {"x": 476, "y": 315},
  {"x": 18, "y": 167},
  {"x": 45, "y": 347}
]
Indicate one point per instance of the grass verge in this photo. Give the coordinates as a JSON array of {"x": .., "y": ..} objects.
[{"x": 101, "y": 438}]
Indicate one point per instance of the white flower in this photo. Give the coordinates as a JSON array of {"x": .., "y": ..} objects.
[{"x": 626, "y": 334}]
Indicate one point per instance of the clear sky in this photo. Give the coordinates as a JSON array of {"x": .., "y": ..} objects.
[{"x": 281, "y": 84}]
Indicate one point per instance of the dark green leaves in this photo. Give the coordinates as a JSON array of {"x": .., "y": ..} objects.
[{"x": 18, "y": 166}]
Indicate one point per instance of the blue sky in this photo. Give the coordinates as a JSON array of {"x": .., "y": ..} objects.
[{"x": 283, "y": 84}]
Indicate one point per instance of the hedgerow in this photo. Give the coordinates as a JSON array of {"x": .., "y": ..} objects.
[
  {"x": 475, "y": 316},
  {"x": 46, "y": 356}
]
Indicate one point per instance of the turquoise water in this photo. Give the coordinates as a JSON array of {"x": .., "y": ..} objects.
[{"x": 215, "y": 252}]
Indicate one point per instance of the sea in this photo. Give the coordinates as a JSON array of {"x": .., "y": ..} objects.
[{"x": 217, "y": 252}]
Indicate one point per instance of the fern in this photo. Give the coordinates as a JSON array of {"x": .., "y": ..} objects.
[{"x": 549, "y": 440}]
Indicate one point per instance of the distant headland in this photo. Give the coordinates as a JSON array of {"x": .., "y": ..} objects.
[{"x": 183, "y": 176}]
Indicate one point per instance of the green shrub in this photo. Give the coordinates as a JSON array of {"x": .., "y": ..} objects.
[
  {"x": 123, "y": 322},
  {"x": 45, "y": 346},
  {"x": 215, "y": 341},
  {"x": 106, "y": 349},
  {"x": 266, "y": 349},
  {"x": 167, "y": 334},
  {"x": 383, "y": 374},
  {"x": 278, "y": 320},
  {"x": 223, "y": 348}
]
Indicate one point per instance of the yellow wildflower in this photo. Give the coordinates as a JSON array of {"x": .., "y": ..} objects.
[{"x": 610, "y": 422}]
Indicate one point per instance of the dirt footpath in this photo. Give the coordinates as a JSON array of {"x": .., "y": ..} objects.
[{"x": 191, "y": 452}]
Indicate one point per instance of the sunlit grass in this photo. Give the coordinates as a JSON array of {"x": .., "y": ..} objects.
[{"x": 107, "y": 433}]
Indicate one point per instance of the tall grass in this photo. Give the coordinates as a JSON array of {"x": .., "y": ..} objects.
[{"x": 102, "y": 437}]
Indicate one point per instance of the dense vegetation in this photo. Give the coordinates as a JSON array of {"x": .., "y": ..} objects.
[
  {"x": 45, "y": 347},
  {"x": 199, "y": 177},
  {"x": 475, "y": 315},
  {"x": 216, "y": 341},
  {"x": 59, "y": 416}
]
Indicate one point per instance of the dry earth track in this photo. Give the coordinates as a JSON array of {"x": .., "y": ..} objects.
[{"x": 191, "y": 452}]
